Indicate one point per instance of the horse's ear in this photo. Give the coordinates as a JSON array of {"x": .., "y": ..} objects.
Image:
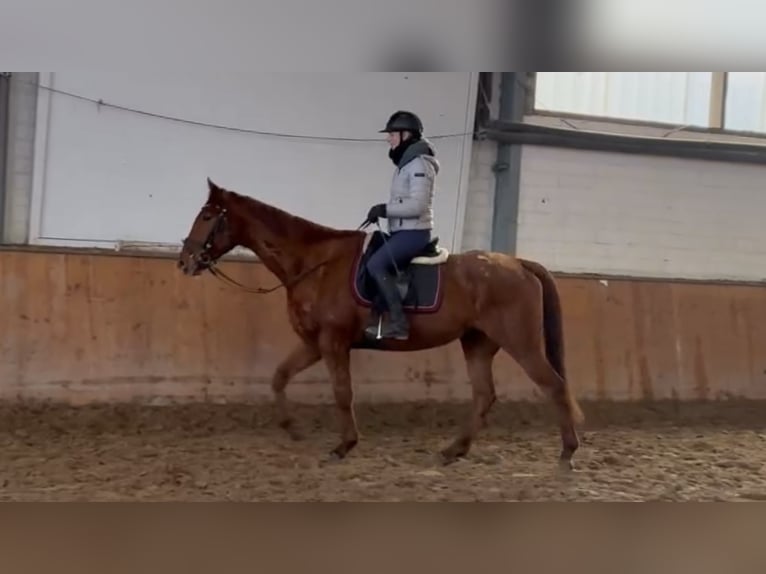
[{"x": 215, "y": 191}]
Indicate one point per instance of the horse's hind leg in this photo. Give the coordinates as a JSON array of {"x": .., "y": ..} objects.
[
  {"x": 300, "y": 358},
  {"x": 523, "y": 340},
  {"x": 479, "y": 351},
  {"x": 542, "y": 373}
]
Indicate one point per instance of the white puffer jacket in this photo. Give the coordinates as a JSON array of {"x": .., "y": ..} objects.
[{"x": 412, "y": 189}]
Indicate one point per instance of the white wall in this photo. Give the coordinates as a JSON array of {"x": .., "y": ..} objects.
[
  {"x": 600, "y": 212},
  {"x": 105, "y": 175},
  {"x": 611, "y": 213},
  {"x": 580, "y": 211}
]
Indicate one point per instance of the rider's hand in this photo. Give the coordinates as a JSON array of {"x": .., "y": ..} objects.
[{"x": 376, "y": 212}]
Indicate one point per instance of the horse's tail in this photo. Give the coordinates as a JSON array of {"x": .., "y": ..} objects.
[{"x": 553, "y": 329}]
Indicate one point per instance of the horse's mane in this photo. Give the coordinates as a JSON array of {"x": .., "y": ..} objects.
[{"x": 281, "y": 222}]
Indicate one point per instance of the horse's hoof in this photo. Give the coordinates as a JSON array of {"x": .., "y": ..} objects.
[
  {"x": 447, "y": 458},
  {"x": 340, "y": 452},
  {"x": 331, "y": 459},
  {"x": 289, "y": 427},
  {"x": 295, "y": 435},
  {"x": 566, "y": 465}
]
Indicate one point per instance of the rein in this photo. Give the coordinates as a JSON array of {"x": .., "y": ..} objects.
[
  {"x": 260, "y": 290},
  {"x": 217, "y": 273}
]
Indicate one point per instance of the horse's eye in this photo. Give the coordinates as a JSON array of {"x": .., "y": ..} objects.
[{"x": 206, "y": 217}]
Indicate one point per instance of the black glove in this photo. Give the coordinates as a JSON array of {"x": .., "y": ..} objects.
[{"x": 376, "y": 212}]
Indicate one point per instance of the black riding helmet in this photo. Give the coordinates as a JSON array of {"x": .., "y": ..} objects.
[{"x": 404, "y": 121}]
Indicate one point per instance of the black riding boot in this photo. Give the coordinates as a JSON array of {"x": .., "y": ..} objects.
[{"x": 397, "y": 326}]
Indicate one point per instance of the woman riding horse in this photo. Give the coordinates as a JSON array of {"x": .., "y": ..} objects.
[{"x": 409, "y": 212}]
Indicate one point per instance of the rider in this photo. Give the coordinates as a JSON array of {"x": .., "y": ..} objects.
[{"x": 409, "y": 213}]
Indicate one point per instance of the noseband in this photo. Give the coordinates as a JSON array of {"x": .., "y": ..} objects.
[{"x": 202, "y": 255}]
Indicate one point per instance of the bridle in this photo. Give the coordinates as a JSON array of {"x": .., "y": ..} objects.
[{"x": 203, "y": 258}]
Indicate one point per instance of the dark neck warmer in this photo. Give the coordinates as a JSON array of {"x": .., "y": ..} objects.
[{"x": 397, "y": 153}]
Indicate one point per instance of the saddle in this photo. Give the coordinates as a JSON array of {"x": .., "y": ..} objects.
[{"x": 419, "y": 281}]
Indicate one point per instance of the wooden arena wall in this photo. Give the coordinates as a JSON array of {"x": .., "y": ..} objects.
[{"x": 82, "y": 327}]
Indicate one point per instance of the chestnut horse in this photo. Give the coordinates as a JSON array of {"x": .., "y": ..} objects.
[{"x": 489, "y": 301}]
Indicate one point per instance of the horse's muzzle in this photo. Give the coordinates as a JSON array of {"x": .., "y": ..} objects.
[{"x": 192, "y": 266}]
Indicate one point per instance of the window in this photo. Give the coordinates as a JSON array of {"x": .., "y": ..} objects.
[
  {"x": 746, "y": 102},
  {"x": 733, "y": 101}
]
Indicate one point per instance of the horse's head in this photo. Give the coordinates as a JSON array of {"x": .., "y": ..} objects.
[{"x": 211, "y": 235}]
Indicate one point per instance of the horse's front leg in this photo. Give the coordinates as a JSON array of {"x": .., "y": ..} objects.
[
  {"x": 300, "y": 358},
  {"x": 336, "y": 356}
]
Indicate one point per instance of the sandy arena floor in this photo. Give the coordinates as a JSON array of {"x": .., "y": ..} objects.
[{"x": 207, "y": 452}]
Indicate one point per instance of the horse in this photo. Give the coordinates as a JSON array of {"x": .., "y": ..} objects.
[{"x": 487, "y": 300}]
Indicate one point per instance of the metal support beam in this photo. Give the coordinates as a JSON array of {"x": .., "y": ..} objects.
[
  {"x": 718, "y": 100},
  {"x": 19, "y": 167},
  {"x": 518, "y": 133},
  {"x": 5, "y": 82},
  {"x": 508, "y": 166}
]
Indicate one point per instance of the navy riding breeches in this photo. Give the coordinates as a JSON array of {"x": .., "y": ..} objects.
[{"x": 402, "y": 247}]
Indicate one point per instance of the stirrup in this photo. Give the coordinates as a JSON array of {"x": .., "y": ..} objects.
[
  {"x": 376, "y": 331},
  {"x": 400, "y": 334}
]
